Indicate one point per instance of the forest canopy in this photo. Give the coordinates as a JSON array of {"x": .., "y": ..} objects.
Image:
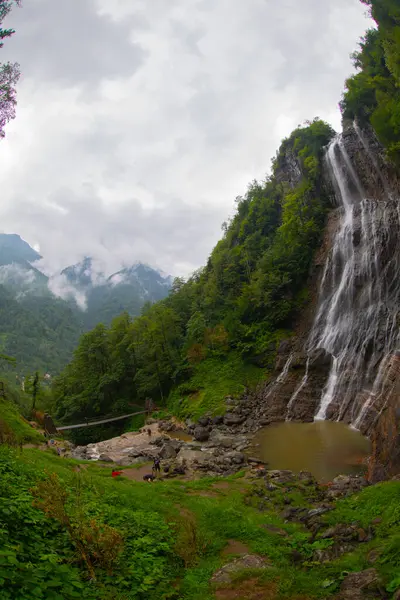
[{"x": 373, "y": 95}]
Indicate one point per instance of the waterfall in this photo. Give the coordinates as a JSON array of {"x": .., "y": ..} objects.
[
  {"x": 297, "y": 391},
  {"x": 285, "y": 370},
  {"x": 281, "y": 377},
  {"x": 357, "y": 320}
]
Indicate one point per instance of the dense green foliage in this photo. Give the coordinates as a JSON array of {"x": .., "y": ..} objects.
[
  {"x": 39, "y": 332},
  {"x": 67, "y": 534},
  {"x": 14, "y": 429},
  {"x": 373, "y": 94},
  {"x": 233, "y": 311}
]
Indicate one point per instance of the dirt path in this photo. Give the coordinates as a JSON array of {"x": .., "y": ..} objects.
[{"x": 136, "y": 474}]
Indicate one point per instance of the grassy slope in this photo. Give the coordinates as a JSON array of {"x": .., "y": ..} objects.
[
  {"x": 213, "y": 380},
  {"x": 163, "y": 560},
  {"x": 13, "y": 424}
]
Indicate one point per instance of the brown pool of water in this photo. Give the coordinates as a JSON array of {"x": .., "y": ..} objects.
[
  {"x": 324, "y": 448},
  {"x": 180, "y": 435}
]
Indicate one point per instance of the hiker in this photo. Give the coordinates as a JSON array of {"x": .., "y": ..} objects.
[
  {"x": 150, "y": 478},
  {"x": 149, "y": 432},
  {"x": 116, "y": 473},
  {"x": 156, "y": 466}
]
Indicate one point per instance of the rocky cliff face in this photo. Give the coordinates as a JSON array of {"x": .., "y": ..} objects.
[{"x": 342, "y": 362}]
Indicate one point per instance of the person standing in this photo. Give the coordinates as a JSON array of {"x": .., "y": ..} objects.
[{"x": 156, "y": 466}]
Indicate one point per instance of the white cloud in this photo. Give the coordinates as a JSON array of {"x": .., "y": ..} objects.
[
  {"x": 133, "y": 139},
  {"x": 60, "y": 286}
]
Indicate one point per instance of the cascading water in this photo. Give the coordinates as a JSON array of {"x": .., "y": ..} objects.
[
  {"x": 281, "y": 377},
  {"x": 297, "y": 392},
  {"x": 357, "y": 321}
]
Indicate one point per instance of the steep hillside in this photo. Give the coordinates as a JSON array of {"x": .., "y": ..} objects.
[{"x": 39, "y": 332}]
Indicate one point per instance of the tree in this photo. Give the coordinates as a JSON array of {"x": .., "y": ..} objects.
[
  {"x": 9, "y": 73},
  {"x": 35, "y": 390}
]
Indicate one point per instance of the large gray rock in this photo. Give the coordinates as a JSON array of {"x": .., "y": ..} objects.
[
  {"x": 201, "y": 434},
  {"x": 217, "y": 438},
  {"x": 237, "y": 458},
  {"x": 134, "y": 452},
  {"x": 105, "y": 458},
  {"x": 364, "y": 585},
  {"x": 168, "y": 451},
  {"x": 231, "y": 419},
  {"x": 248, "y": 561}
]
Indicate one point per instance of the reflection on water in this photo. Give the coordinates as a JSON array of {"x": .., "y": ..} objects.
[
  {"x": 180, "y": 435},
  {"x": 324, "y": 448}
]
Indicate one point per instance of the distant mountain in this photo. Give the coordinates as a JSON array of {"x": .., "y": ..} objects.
[
  {"x": 41, "y": 317},
  {"x": 83, "y": 274},
  {"x": 39, "y": 332},
  {"x": 13, "y": 249},
  {"x": 16, "y": 270},
  {"x": 126, "y": 290}
]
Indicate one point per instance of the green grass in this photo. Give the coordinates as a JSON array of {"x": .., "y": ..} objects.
[
  {"x": 214, "y": 379},
  {"x": 22, "y": 431},
  {"x": 154, "y": 518}
]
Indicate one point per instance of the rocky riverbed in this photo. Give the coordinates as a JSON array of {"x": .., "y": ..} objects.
[
  {"x": 214, "y": 446},
  {"x": 219, "y": 446}
]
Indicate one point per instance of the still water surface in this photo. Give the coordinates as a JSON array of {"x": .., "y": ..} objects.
[
  {"x": 180, "y": 435},
  {"x": 324, "y": 448}
]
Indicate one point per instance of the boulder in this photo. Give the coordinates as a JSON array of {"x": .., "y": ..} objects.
[
  {"x": 168, "y": 451},
  {"x": 364, "y": 585},
  {"x": 105, "y": 458},
  {"x": 201, "y": 434},
  {"x": 218, "y": 420},
  {"x": 217, "y": 438},
  {"x": 247, "y": 562},
  {"x": 79, "y": 452},
  {"x": 203, "y": 421},
  {"x": 231, "y": 419},
  {"x": 188, "y": 456},
  {"x": 345, "y": 485},
  {"x": 134, "y": 452},
  {"x": 237, "y": 458}
]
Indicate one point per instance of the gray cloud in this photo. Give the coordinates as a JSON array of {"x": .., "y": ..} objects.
[{"x": 140, "y": 121}]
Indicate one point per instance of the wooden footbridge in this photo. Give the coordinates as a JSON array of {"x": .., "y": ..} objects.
[{"x": 52, "y": 429}]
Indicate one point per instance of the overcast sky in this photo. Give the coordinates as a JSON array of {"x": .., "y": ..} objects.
[{"x": 140, "y": 121}]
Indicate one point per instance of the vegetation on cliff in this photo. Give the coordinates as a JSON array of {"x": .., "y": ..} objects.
[
  {"x": 373, "y": 94},
  {"x": 227, "y": 318}
]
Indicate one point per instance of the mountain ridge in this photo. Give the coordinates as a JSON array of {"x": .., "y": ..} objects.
[{"x": 56, "y": 309}]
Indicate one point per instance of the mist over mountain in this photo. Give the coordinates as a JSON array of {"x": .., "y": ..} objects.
[{"x": 51, "y": 311}]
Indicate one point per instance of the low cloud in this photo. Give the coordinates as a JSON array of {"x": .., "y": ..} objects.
[
  {"x": 60, "y": 286},
  {"x": 132, "y": 140}
]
